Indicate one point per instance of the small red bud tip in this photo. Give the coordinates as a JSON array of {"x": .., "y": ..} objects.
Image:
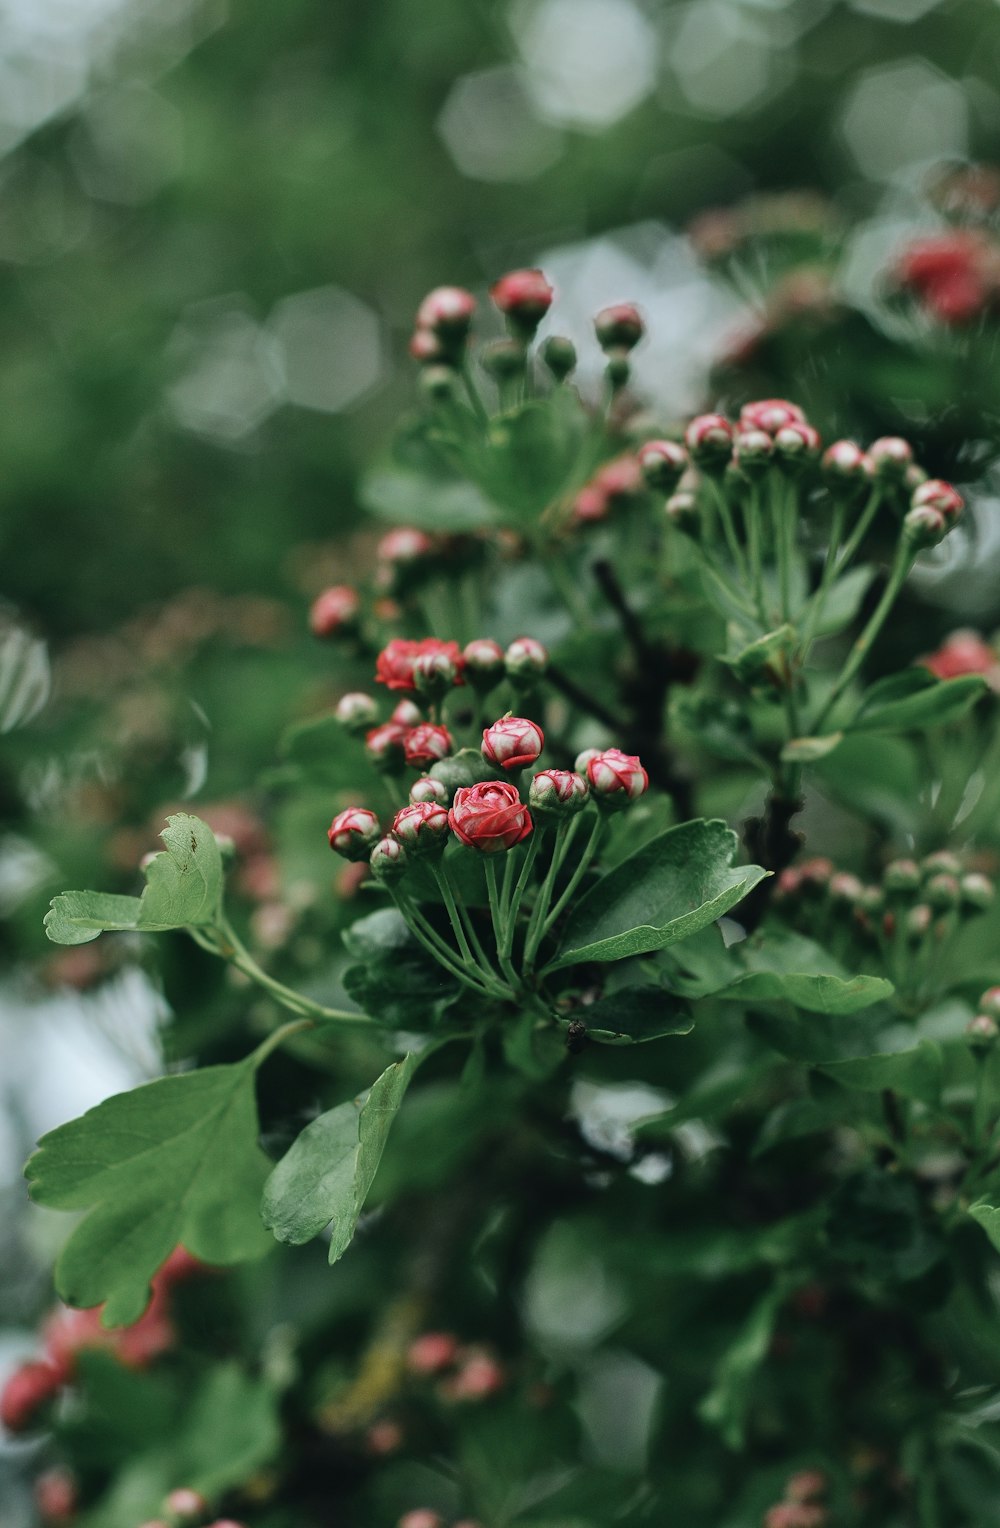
[
  {"x": 426, "y": 347},
  {"x": 395, "y": 663},
  {"x": 421, "y": 1517},
  {"x": 663, "y": 464},
  {"x": 352, "y": 832},
  {"x": 753, "y": 450},
  {"x": 388, "y": 859},
  {"x": 186, "y": 1504},
  {"x": 561, "y": 792},
  {"x": 990, "y": 1002},
  {"x": 843, "y": 462},
  {"x": 526, "y": 658},
  {"x": 404, "y": 544},
  {"x": 787, "y": 884},
  {"x": 406, "y": 713},
  {"x": 797, "y": 442},
  {"x": 386, "y": 745},
  {"x": 891, "y": 456},
  {"x": 427, "y": 789},
  {"x": 619, "y": 327},
  {"x": 709, "y": 439},
  {"x": 939, "y": 495},
  {"x": 56, "y": 1496},
  {"x": 355, "y": 711},
  {"x": 427, "y": 744},
  {"x": 524, "y": 296},
  {"x": 617, "y": 776},
  {"x": 447, "y": 312},
  {"x": 620, "y": 480},
  {"x": 334, "y": 611},
  {"x": 432, "y": 1352},
  {"x": 961, "y": 653},
  {"x": 26, "y": 1393},
  {"x": 512, "y": 743},
  {"x": 590, "y": 505},
  {"x": 770, "y": 415},
  {"x": 490, "y": 817},
  {"x": 421, "y": 826},
  {"x": 806, "y": 1485}
]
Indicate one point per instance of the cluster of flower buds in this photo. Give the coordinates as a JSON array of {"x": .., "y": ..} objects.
[
  {"x": 965, "y": 652},
  {"x": 954, "y": 275},
  {"x": 983, "y": 1031},
  {"x": 803, "y": 1503},
  {"x": 461, "y": 1372},
  {"x": 32, "y": 1388},
  {"x": 616, "y": 485},
  {"x": 335, "y": 612}
]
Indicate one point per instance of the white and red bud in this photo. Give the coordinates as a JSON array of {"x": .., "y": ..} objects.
[
  {"x": 356, "y": 711},
  {"x": 619, "y": 327},
  {"x": 941, "y": 862},
  {"x": 913, "y": 477},
  {"x": 891, "y": 455},
  {"x": 432, "y": 1352},
  {"x": 484, "y": 663},
  {"x": 447, "y": 312},
  {"x": 428, "y": 789},
  {"x": 427, "y": 347},
  {"x": 406, "y": 713},
  {"x": 682, "y": 510},
  {"x": 558, "y": 792},
  {"x": 26, "y": 1395},
  {"x": 385, "y": 746},
  {"x": 620, "y": 480},
  {"x": 616, "y": 777},
  {"x": 388, "y": 859},
  {"x": 796, "y": 444},
  {"x": 583, "y": 759},
  {"x": 422, "y": 827},
  {"x": 709, "y": 439},
  {"x": 335, "y": 611},
  {"x": 845, "y": 887},
  {"x": 843, "y": 465},
  {"x": 919, "y": 920},
  {"x": 752, "y": 451},
  {"x": 663, "y": 464},
  {"x": 525, "y": 659},
  {"x": 490, "y": 817},
  {"x": 770, "y": 414},
  {"x": 352, "y": 832},
  {"x": 426, "y": 744},
  {"x": 978, "y": 890},
  {"x": 513, "y": 742},
  {"x": 982, "y": 1032},
  {"x": 524, "y": 297},
  {"x": 404, "y": 544},
  {"x": 901, "y": 875},
  {"x": 57, "y": 1496},
  {"x": 990, "y": 1002},
  {"x": 941, "y": 496},
  {"x": 186, "y": 1504},
  {"x": 924, "y": 526},
  {"x": 559, "y": 355},
  {"x": 434, "y": 674},
  {"x": 589, "y": 505}
]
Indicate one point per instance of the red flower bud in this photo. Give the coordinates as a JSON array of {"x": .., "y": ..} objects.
[
  {"x": 427, "y": 743},
  {"x": 525, "y": 659},
  {"x": 709, "y": 439},
  {"x": 796, "y": 443},
  {"x": 56, "y": 1496},
  {"x": 434, "y": 673},
  {"x": 432, "y": 1352},
  {"x": 770, "y": 414},
  {"x": 752, "y": 450},
  {"x": 560, "y": 792},
  {"x": 524, "y": 296},
  {"x": 663, "y": 464},
  {"x": 406, "y": 713},
  {"x": 385, "y": 746},
  {"x": 428, "y": 789},
  {"x": 352, "y": 832},
  {"x": 355, "y": 711},
  {"x": 483, "y": 659},
  {"x": 513, "y": 742},
  {"x": 447, "y": 311},
  {"x": 388, "y": 859},
  {"x": 615, "y": 774},
  {"x": 619, "y": 480},
  {"x": 426, "y": 347},
  {"x": 394, "y": 664},
  {"x": 421, "y": 828},
  {"x": 990, "y": 1002},
  {"x": 941, "y": 496},
  {"x": 26, "y": 1393},
  {"x": 186, "y": 1504},
  {"x": 843, "y": 464},
  {"x": 490, "y": 817},
  {"x": 334, "y": 611},
  {"x": 421, "y": 1517},
  {"x": 404, "y": 544},
  {"x": 891, "y": 455},
  {"x": 964, "y": 652},
  {"x": 924, "y": 526},
  {"x": 590, "y": 504},
  {"x": 619, "y": 327},
  {"x": 479, "y": 1376}
]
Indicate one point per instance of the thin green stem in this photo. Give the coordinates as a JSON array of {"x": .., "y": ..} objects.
[
  {"x": 752, "y": 518},
  {"x": 905, "y": 555},
  {"x": 473, "y": 395},
  {"x": 720, "y": 578},
  {"x": 458, "y": 926},
  {"x": 436, "y": 947},
  {"x": 818, "y": 603},
  {"x": 499, "y": 926},
  {"x": 279, "y": 1036},
  {"x": 514, "y": 906},
  {"x": 728, "y": 527},
  {"x": 232, "y": 949},
  {"x": 590, "y": 849},
  {"x": 861, "y": 526},
  {"x": 565, "y": 833}
]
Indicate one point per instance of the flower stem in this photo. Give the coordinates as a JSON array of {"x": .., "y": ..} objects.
[
  {"x": 231, "y": 948},
  {"x": 565, "y": 834},
  {"x": 728, "y": 527},
  {"x": 460, "y": 930},
  {"x": 435, "y": 946},
  {"x": 499, "y": 924},
  {"x": 518, "y": 893},
  {"x": 590, "y": 849},
  {"x": 815, "y": 610},
  {"x": 905, "y": 555},
  {"x": 861, "y": 525}
]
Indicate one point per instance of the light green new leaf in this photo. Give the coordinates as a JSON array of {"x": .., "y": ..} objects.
[
  {"x": 794, "y": 969},
  {"x": 673, "y": 886},
  {"x": 988, "y": 1216},
  {"x": 176, "y": 1160},
  {"x": 915, "y": 699},
  {"x": 326, "y": 1174},
  {"x": 232, "y": 1430},
  {"x": 183, "y": 889},
  {"x": 728, "y": 1402},
  {"x": 843, "y": 600}
]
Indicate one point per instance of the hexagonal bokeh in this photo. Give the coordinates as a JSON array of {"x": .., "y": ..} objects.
[
  {"x": 491, "y": 131},
  {"x": 587, "y": 62},
  {"x": 901, "y": 114},
  {"x": 330, "y": 345},
  {"x": 230, "y": 371}
]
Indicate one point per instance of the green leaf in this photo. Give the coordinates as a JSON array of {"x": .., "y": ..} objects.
[
  {"x": 326, "y": 1174},
  {"x": 727, "y": 1403},
  {"x": 843, "y": 601},
  {"x": 176, "y": 1160},
  {"x": 791, "y": 968},
  {"x": 917, "y": 1073},
  {"x": 635, "y": 1014},
  {"x": 531, "y": 453},
  {"x": 25, "y": 676},
  {"x": 765, "y": 660},
  {"x": 915, "y": 699},
  {"x": 419, "y": 498},
  {"x": 673, "y": 886},
  {"x": 232, "y": 1430},
  {"x": 183, "y": 889},
  {"x": 988, "y": 1216}
]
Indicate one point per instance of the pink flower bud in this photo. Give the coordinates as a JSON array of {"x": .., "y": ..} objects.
[
  {"x": 936, "y": 494},
  {"x": 613, "y": 774},
  {"x": 619, "y": 327},
  {"x": 559, "y": 792},
  {"x": 434, "y": 673},
  {"x": 421, "y": 828},
  {"x": 388, "y": 859},
  {"x": 990, "y": 1002},
  {"x": 919, "y": 920},
  {"x": 663, "y": 464},
  {"x": 385, "y": 746},
  {"x": 447, "y": 311},
  {"x": 709, "y": 439},
  {"x": 583, "y": 759},
  {"x": 513, "y": 742},
  {"x": 25, "y": 1395},
  {"x": 526, "y": 659},
  {"x": 352, "y": 832},
  {"x": 982, "y": 1031},
  {"x": 753, "y": 450},
  {"x": 924, "y": 526},
  {"x": 845, "y": 887},
  {"x": 796, "y": 443},
  {"x": 334, "y": 611},
  {"x": 770, "y": 414},
  {"x": 806, "y": 1485},
  {"x": 524, "y": 296},
  {"x": 384, "y": 1437},
  {"x": 620, "y": 480},
  {"x": 428, "y": 789},
  {"x": 356, "y": 711},
  {"x": 56, "y": 1496},
  {"x": 426, "y": 347},
  {"x": 404, "y": 544},
  {"x": 421, "y": 1517},
  {"x": 186, "y": 1504},
  {"x": 902, "y": 875},
  {"x": 478, "y": 1377},
  {"x": 394, "y": 664},
  {"x": 817, "y": 871},
  {"x": 490, "y": 817},
  {"x": 590, "y": 504},
  {"x": 432, "y": 1352},
  {"x": 483, "y": 659},
  {"x": 406, "y": 713},
  {"x": 965, "y": 652},
  {"x": 682, "y": 511},
  {"x": 427, "y": 744},
  {"x": 891, "y": 455},
  {"x": 843, "y": 464}
]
